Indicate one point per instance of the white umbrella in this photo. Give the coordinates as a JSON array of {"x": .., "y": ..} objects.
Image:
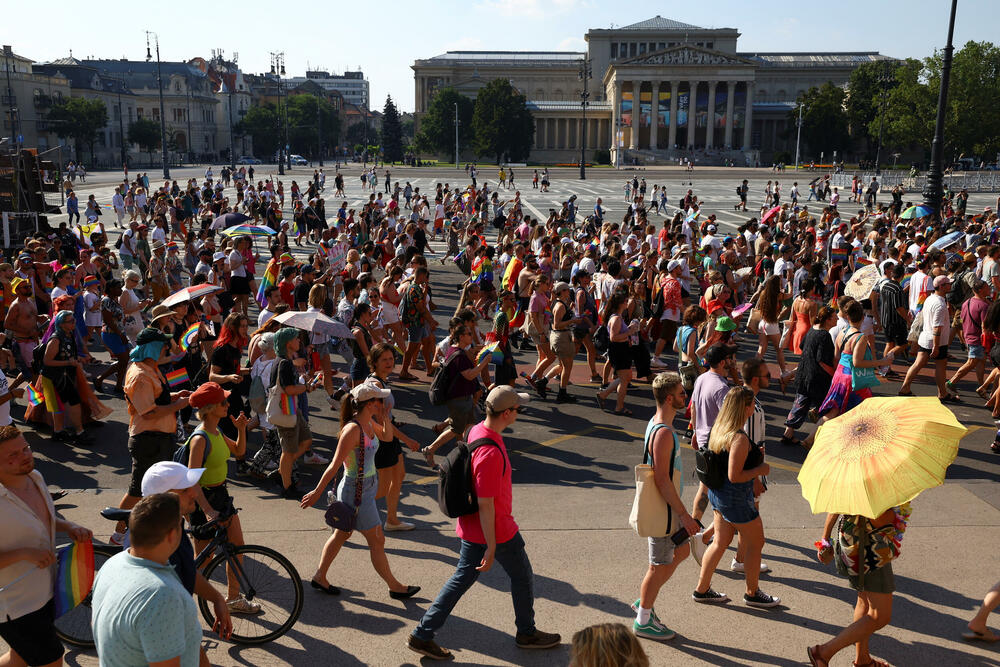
[
  {"x": 189, "y": 293},
  {"x": 315, "y": 323},
  {"x": 862, "y": 282}
]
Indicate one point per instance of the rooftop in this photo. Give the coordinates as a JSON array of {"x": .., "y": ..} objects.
[
  {"x": 820, "y": 59},
  {"x": 501, "y": 56},
  {"x": 660, "y": 23}
]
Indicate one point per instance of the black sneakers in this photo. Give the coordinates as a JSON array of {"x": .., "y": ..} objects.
[
  {"x": 538, "y": 640},
  {"x": 761, "y": 600},
  {"x": 710, "y": 597}
]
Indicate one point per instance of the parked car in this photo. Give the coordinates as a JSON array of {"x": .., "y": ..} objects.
[
  {"x": 248, "y": 160},
  {"x": 298, "y": 159}
]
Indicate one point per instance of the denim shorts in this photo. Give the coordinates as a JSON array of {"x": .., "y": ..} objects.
[
  {"x": 977, "y": 352},
  {"x": 417, "y": 333},
  {"x": 734, "y": 502},
  {"x": 368, "y": 515}
]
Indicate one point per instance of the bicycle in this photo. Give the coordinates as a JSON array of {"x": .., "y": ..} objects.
[{"x": 265, "y": 576}]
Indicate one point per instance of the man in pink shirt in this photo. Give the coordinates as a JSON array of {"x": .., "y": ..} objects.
[{"x": 490, "y": 534}]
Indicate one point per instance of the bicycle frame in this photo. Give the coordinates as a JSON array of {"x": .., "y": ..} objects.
[{"x": 220, "y": 544}]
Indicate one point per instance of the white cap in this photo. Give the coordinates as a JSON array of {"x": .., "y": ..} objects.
[
  {"x": 673, "y": 264},
  {"x": 169, "y": 475},
  {"x": 369, "y": 390},
  {"x": 217, "y": 256},
  {"x": 711, "y": 229}
]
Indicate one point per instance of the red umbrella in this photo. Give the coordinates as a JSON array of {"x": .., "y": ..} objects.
[
  {"x": 189, "y": 293},
  {"x": 770, "y": 214}
]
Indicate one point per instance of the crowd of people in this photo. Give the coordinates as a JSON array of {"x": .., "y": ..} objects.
[{"x": 188, "y": 320}]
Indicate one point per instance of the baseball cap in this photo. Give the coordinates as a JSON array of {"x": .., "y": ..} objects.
[
  {"x": 168, "y": 475},
  {"x": 719, "y": 353},
  {"x": 559, "y": 287},
  {"x": 673, "y": 264},
  {"x": 209, "y": 393},
  {"x": 711, "y": 228},
  {"x": 785, "y": 248},
  {"x": 366, "y": 391},
  {"x": 504, "y": 398},
  {"x": 941, "y": 280},
  {"x": 218, "y": 256},
  {"x": 307, "y": 268}
]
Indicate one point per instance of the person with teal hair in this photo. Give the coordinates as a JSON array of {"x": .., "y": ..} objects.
[
  {"x": 59, "y": 369},
  {"x": 295, "y": 440}
]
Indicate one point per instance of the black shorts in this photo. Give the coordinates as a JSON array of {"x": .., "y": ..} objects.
[
  {"x": 942, "y": 352},
  {"x": 33, "y": 636},
  {"x": 620, "y": 356},
  {"x": 239, "y": 285},
  {"x": 218, "y": 497},
  {"x": 147, "y": 448},
  {"x": 387, "y": 454},
  {"x": 896, "y": 335}
]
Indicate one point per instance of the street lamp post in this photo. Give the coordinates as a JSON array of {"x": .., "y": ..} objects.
[
  {"x": 586, "y": 72},
  {"x": 456, "y": 135},
  {"x": 798, "y": 135},
  {"x": 934, "y": 190},
  {"x": 232, "y": 142},
  {"x": 278, "y": 70},
  {"x": 319, "y": 127},
  {"x": 364, "y": 153},
  {"x": 163, "y": 113}
]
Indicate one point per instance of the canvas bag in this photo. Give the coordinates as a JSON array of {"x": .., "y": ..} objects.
[
  {"x": 651, "y": 516},
  {"x": 274, "y": 413}
]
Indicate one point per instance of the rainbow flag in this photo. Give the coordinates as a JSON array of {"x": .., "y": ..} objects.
[
  {"x": 34, "y": 397},
  {"x": 269, "y": 279},
  {"x": 865, "y": 261},
  {"x": 477, "y": 270},
  {"x": 637, "y": 262},
  {"x": 516, "y": 319},
  {"x": 838, "y": 254},
  {"x": 177, "y": 377},
  {"x": 288, "y": 406},
  {"x": 491, "y": 350},
  {"x": 904, "y": 283},
  {"x": 74, "y": 576},
  {"x": 595, "y": 243},
  {"x": 190, "y": 337}
]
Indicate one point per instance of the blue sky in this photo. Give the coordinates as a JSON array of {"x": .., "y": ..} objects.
[{"x": 384, "y": 37}]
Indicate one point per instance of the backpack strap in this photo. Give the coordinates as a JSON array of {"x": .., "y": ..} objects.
[{"x": 481, "y": 442}]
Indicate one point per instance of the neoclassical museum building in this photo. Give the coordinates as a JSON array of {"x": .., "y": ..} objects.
[{"x": 659, "y": 90}]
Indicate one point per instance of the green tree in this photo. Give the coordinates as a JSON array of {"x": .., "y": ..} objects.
[
  {"x": 868, "y": 83},
  {"x": 501, "y": 122},
  {"x": 304, "y": 121},
  {"x": 356, "y": 134},
  {"x": 392, "y": 132},
  {"x": 79, "y": 119},
  {"x": 261, "y": 123},
  {"x": 910, "y": 109},
  {"x": 824, "y": 119},
  {"x": 144, "y": 133},
  {"x": 437, "y": 126}
]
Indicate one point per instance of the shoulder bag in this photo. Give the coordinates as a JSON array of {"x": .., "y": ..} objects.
[
  {"x": 281, "y": 408},
  {"x": 341, "y": 516},
  {"x": 651, "y": 515},
  {"x": 863, "y": 378}
]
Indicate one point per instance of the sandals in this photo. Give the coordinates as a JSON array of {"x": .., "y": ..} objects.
[
  {"x": 976, "y": 636},
  {"x": 407, "y": 378},
  {"x": 624, "y": 412},
  {"x": 600, "y": 401},
  {"x": 791, "y": 442},
  {"x": 428, "y": 456},
  {"x": 814, "y": 658}
]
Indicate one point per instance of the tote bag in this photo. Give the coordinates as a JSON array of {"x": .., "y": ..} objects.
[{"x": 651, "y": 516}]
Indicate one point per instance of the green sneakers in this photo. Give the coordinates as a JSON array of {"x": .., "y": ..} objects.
[{"x": 653, "y": 630}]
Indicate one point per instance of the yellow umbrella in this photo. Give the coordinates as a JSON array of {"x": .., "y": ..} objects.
[{"x": 880, "y": 454}]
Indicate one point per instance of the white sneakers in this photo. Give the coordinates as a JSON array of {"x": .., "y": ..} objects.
[
  {"x": 698, "y": 547},
  {"x": 736, "y": 566}
]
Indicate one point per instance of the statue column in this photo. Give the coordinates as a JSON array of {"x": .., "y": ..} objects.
[
  {"x": 692, "y": 108},
  {"x": 748, "y": 117},
  {"x": 633, "y": 141},
  {"x": 710, "y": 130},
  {"x": 672, "y": 132},
  {"x": 730, "y": 100},
  {"x": 654, "y": 113},
  {"x": 616, "y": 113}
]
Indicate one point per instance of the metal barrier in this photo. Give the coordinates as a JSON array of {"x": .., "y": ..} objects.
[{"x": 972, "y": 181}]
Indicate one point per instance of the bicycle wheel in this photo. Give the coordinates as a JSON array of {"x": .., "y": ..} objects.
[
  {"x": 74, "y": 627},
  {"x": 270, "y": 580}
]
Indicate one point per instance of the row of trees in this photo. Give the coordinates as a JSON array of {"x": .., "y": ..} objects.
[
  {"x": 309, "y": 119},
  {"x": 901, "y": 98},
  {"x": 497, "y": 123}
]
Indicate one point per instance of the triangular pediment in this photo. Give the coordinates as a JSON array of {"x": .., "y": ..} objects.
[{"x": 685, "y": 54}]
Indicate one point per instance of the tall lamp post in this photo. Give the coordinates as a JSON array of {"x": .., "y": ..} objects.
[
  {"x": 319, "y": 126},
  {"x": 798, "y": 135},
  {"x": 364, "y": 153},
  {"x": 456, "y": 135},
  {"x": 884, "y": 80},
  {"x": 232, "y": 141},
  {"x": 934, "y": 190},
  {"x": 278, "y": 70},
  {"x": 586, "y": 73},
  {"x": 163, "y": 113}
]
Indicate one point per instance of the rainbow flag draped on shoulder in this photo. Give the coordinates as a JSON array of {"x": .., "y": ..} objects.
[{"x": 269, "y": 279}]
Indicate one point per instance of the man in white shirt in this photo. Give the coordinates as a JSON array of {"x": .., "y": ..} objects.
[
  {"x": 918, "y": 283},
  {"x": 785, "y": 267},
  {"x": 118, "y": 204},
  {"x": 933, "y": 341}
]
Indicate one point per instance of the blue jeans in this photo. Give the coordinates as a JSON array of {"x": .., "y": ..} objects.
[{"x": 512, "y": 558}]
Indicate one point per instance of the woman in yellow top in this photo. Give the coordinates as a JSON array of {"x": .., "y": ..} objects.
[{"x": 210, "y": 449}]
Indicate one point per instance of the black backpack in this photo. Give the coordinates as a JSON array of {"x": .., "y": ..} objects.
[
  {"x": 438, "y": 391},
  {"x": 712, "y": 468},
  {"x": 656, "y": 307},
  {"x": 456, "y": 491}
]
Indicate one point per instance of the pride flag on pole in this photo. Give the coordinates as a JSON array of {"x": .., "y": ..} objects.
[
  {"x": 269, "y": 279},
  {"x": 74, "y": 576},
  {"x": 491, "y": 350},
  {"x": 177, "y": 377},
  {"x": 190, "y": 337},
  {"x": 34, "y": 397}
]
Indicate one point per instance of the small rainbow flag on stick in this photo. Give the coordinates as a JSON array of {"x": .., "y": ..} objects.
[
  {"x": 516, "y": 318},
  {"x": 177, "y": 377},
  {"x": 491, "y": 350},
  {"x": 34, "y": 397},
  {"x": 190, "y": 337},
  {"x": 74, "y": 576},
  {"x": 287, "y": 404}
]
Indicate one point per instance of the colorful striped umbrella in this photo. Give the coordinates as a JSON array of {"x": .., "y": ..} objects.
[
  {"x": 916, "y": 212},
  {"x": 249, "y": 230}
]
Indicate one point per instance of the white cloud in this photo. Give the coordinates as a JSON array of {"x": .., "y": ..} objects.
[
  {"x": 465, "y": 44},
  {"x": 528, "y": 8}
]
